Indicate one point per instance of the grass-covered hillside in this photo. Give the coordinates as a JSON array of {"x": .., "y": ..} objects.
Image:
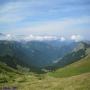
[
  {"x": 78, "y": 82},
  {"x": 75, "y": 76},
  {"x": 7, "y": 73},
  {"x": 77, "y": 68}
]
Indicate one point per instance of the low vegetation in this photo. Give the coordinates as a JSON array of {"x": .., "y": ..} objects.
[
  {"x": 72, "y": 77},
  {"x": 77, "y": 68}
]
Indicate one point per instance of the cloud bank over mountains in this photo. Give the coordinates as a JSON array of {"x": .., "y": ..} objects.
[
  {"x": 39, "y": 37},
  {"x": 76, "y": 38}
]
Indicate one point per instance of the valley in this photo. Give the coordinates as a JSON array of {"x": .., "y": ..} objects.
[{"x": 66, "y": 71}]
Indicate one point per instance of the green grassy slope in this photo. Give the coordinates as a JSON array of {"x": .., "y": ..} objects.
[
  {"x": 82, "y": 66},
  {"x": 72, "y": 77},
  {"x": 78, "y": 82},
  {"x": 29, "y": 82},
  {"x": 7, "y": 74}
]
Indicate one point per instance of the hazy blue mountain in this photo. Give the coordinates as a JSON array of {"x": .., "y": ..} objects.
[
  {"x": 34, "y": 53},
  {"x": 41, "y": 54},
  {"x": 80, "y": 51}
]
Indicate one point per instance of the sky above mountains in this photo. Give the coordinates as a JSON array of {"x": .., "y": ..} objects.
[{"x": 45, "y": 17}]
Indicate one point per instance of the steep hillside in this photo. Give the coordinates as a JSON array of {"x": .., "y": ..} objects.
[
  {"x": 79, "y": 52},
  {"x": 34, "y": 54},
  {"x": 38, "y": 55},
  {"x": 73, "y": 77},
  {"x": 7, "y": 73},
  {"x": 46, "y": 82},
  {"x": 77, "y": 68}
]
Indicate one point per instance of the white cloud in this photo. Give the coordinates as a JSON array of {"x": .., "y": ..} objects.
[
  {"x": 40, "y": 38},
  {"x": 62, "y": 39},
  {"x": 31, "y": 37},
  {"x": 55, "y": 26},
  {"x": 76, "y": 38},
  {"x": 10, "y": 12},
  {"x": 19, "y": 10}
]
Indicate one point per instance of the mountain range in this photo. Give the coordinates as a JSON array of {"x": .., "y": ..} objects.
[
  {"x": 29, "y": 65},
  {"x": 47, "y": 54}
]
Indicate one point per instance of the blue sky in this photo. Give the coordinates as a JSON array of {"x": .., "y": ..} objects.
[{"x": 45, "y": 17}]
